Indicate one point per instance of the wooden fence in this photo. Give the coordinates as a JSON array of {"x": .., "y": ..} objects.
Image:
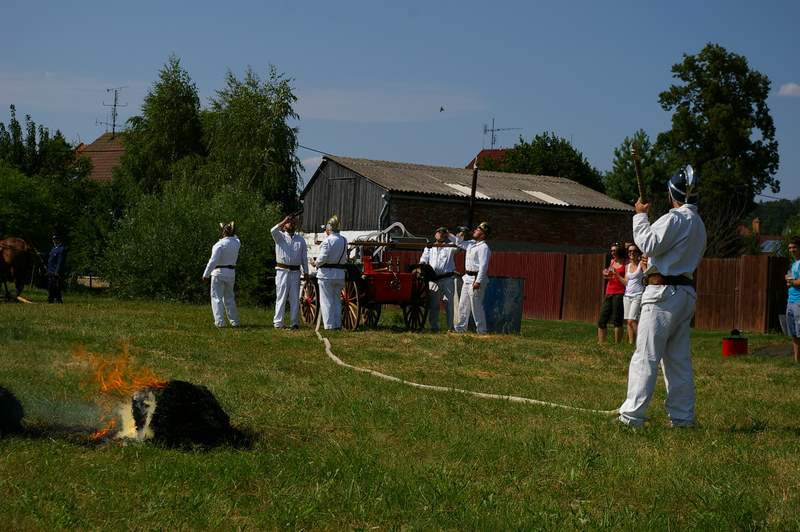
[{"x": 746, "y": 293}]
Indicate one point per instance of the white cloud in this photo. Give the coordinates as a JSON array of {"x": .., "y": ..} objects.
[
  {"x": 34, "y": 92},
  {"x": 383, "y": 104},
  {"x": 789, "y": 89}
]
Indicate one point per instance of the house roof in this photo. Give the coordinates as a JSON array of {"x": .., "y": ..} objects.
[
  {"x": 492, "y": 186},
  {"x": 495, "y": 154},
  {"x": 105, "y": 153}
]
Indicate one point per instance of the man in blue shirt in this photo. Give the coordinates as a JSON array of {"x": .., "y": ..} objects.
[
  {"x": 55, "y": 263},
  {"x": 793, "y": 303}
]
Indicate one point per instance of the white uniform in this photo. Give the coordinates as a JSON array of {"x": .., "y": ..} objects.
[
  {"x": 332, "y": 250},
  {"x": 290, "y": 250},
  {"x": 471, "y": 301},
  {"x": 224, "y": 253},
  {"x": 443, "y": 262},
  {"x": 675, "y": 243}
]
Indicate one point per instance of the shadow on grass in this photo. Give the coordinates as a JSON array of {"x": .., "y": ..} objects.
[{"x": 83, "y": 436}]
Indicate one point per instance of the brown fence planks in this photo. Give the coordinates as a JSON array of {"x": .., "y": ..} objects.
[{"x": 584, "y": 287}]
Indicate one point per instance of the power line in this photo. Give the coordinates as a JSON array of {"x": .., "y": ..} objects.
[{"x": 312, "y": 149}]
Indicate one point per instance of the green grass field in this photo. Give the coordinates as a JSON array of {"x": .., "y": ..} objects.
[{"x": 336, "y": 449}]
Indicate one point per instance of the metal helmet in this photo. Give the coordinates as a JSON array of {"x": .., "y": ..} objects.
[
  {"x": 228, "y": 229},
  {"x": 333, "y": 223},
  {"x": 486, "y": 228},
  {"x": 683, "y": 185}
]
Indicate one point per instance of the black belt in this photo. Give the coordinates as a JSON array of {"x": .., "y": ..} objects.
[
  {"x": 472, "y": 273},
  {"x": 227, "y": 267},
  {"x": 288, "y": 267},
  {"x": 444, "y": 276},
  {"x": 656, "y": 279}
]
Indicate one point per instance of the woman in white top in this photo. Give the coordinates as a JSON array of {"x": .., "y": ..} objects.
[{"x": 634, "y": 288}]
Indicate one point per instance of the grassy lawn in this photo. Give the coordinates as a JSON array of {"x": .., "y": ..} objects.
[{"x": 336, "y": 449}]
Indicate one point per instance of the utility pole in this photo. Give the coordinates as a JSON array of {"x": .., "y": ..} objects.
[
  {"x": 471, "y": 214},
  {"x": 113, "y": 124}
]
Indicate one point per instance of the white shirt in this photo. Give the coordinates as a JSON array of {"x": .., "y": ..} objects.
[
  {"x": 675, "y": 243},
  {"x": 634, "y": 286},
  {"x": 290, "y": 249},
  {"x": 442, "y": 260},
  {"x": 477, "y": 259},
  {"x": 332, "y": 250},
  {"x": 224, "y": 253}
]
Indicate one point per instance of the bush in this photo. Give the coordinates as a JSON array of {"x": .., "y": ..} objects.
[{"x": 161, "y": 246}]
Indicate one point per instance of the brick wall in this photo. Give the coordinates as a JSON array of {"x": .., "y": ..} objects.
[{"x": 519, "y": 227}]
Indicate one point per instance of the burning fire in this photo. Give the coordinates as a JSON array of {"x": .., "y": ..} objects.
[{"x": 114, "y": 377}]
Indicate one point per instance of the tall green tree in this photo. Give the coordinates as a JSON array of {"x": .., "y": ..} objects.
[
  {"x": 721, "y": 124},
  {"x": 549, "y": 154},
  {"x": 250, "y": 141},
  {"x": 168, "y": 131},
  {"x": 620, "y": 181}
]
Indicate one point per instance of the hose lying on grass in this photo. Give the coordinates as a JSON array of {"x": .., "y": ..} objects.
[{"x": 511, "y": 398}]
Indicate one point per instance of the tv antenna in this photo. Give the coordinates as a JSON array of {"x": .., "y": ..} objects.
[
  {"x": 113, "y": 124},
  {"x": 494, "y": 130}
]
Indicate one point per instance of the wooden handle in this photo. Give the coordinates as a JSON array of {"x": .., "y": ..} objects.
[{"x": 638, "y": 167}]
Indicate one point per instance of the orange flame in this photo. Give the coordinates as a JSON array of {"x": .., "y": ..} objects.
[{"x": 115, "y": 375}]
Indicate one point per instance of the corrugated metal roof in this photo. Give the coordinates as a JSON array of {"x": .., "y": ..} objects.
[{"x": 497, "y": 186}]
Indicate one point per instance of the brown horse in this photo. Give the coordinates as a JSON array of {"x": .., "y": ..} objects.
[{"x": 16, "y": 261}]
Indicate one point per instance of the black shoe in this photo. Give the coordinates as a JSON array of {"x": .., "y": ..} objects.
[{"x": 294, "y": 327}]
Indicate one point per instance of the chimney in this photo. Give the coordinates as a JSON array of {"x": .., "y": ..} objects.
[{"x": 756, "y": 226}]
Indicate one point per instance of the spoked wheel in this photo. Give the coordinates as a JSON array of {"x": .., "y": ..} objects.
[
  {"x": 415, "y": 312},
  {"x": 351, "y": 309},
  {"x": 309, "y": 302},
  {"x": 371, "y": 314}
]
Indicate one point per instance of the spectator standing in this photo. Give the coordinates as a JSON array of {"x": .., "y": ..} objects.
[{"x": 612, "y": 308}]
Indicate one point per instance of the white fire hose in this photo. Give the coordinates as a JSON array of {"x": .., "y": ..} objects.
[{"x": 510, "y": 398}]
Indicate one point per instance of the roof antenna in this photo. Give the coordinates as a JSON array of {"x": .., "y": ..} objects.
[
  {"x": 494, "y": 130},
  {"x": 113, "y": 124}
]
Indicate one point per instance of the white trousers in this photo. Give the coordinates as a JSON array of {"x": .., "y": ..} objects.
[
  {"x": 222, "y": 301},
  {"x": 287, "y": 286},
  {"x": 470, "y": 303},
  {"x": 443, "y": 289},
  {"x": 663, "y": 337},
  {"x": 330, "y": 302}
]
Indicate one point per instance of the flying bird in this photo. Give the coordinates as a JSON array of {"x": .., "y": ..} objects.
[{"x": 441, "y": 109}]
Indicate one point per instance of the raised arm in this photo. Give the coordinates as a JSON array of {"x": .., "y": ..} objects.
[{"x": 653, "y": 239}]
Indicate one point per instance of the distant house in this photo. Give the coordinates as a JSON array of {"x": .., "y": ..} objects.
[
  {"x": 496, "y": 155},
  {"x": 527, "y": 212},
  {"x": 105, "y": 154},
  {"x": 768, "y": 244}
]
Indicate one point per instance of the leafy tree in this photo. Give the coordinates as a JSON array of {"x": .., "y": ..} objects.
[
  {"x": 26, "y": 207},
  {"x": 721, "y": 125},
  {"x": 168, "y": 130},
  {"x": 249, "y": 138},
  {"x": 549, "y": 154},
  {"x": 178, "y": 228},
  {"x": 775, "y": 214},
  {"x": 621, "y": 181}
]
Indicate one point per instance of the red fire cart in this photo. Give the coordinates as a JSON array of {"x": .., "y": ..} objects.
[{"x": 371, "y": 283}]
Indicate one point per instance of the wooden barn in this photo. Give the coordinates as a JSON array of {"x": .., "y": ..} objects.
[{"x": 527, "y": 212}]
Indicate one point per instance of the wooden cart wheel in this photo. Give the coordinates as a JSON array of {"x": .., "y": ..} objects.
[
  {"x": 351, "y": 310},
  {"x": 415, "y": 312},
  {"x": 371, "y": 314},
  {"x": 309, "y": 302}
]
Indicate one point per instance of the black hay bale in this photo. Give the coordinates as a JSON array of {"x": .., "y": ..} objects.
[
  {"x": 11, "y": 413},
  {"x": 181, "y": 414}
]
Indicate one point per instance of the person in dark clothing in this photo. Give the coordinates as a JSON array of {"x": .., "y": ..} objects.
[{"x": 55, "y": 263}]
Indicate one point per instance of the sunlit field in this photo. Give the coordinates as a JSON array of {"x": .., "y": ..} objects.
[{"x": 332, "y": 448}]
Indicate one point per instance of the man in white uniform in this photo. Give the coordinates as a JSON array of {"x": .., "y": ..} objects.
[
  {"x": 330, "y": 265},
  {"x": 675, "y": 243},
  {"x": 221, "y": 268},
  {"x": 291, "y": 256},
  {"x": 476, "y": 275},
  {"x": 442, "y": 260}
]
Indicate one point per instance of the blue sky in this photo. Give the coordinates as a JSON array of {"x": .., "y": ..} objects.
[{"x": 372, "y": 76}]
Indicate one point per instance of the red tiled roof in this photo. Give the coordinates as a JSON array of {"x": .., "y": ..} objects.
[
  {"x": 105, "y": 153},
  {"x": 496, "y": 155}
]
